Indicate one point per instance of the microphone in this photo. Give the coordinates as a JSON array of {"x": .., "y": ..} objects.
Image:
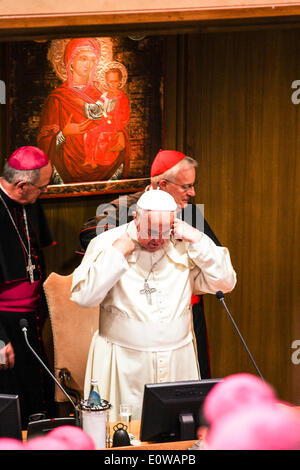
[
  {"x": 220, "y": 296},
  {"x": 24, "y": 327}
]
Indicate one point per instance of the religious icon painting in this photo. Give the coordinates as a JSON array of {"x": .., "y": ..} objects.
[{"x": 94, "y": 106}]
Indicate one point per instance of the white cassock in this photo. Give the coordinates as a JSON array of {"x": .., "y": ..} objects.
[{"x": 139, "y": 342}]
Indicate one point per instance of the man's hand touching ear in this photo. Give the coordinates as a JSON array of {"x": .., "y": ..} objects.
[
  {"x": 125, "y": 244},
  {"x": 183, "y": 231}
]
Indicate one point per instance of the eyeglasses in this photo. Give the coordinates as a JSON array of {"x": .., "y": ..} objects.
[{"x": 184, "y": 187}]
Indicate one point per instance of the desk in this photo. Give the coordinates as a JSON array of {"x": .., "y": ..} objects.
[
  {"x": 135, "y": 430},
  {"x": 177, "y": 445}
]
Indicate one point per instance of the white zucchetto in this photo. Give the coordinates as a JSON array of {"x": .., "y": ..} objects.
[{"x": 157, "y": 200}]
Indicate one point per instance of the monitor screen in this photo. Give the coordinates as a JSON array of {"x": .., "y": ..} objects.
[
  {"x": 172, "y": 410},
  {"x": 10, "y": 417}
]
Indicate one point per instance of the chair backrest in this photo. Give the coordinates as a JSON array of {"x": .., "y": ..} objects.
[{"x": 72, "y": 327}]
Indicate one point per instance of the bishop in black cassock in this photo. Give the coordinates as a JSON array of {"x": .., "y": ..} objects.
[{"x": 24, "y": 227}]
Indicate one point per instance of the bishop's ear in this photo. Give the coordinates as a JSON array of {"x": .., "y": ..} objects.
[
  {"x": 163, "y": 184},
  {"x": 20, "y": 185}
]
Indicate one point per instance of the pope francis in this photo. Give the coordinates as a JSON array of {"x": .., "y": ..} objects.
[{"x": 142, "y": 274}]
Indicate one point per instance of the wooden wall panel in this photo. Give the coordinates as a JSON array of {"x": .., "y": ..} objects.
[
  {"x": 52, "y": 7},
  {"x": 244, "y": 129},
  {"x": 52, "y": 19},
  {"x": 66, "y": 217}
]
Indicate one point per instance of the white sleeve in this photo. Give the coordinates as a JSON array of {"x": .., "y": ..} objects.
[
  {"x": 96, "y": 275},
  {"x": 213, "y": 270}
]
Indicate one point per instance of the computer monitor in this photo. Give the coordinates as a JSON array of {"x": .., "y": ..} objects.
[
  {"x": 10, "y": 417},
  {"x": 171, "y": 410}
]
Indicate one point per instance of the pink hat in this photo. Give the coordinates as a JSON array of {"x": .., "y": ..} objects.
[
  {"x": 257, "y": 428},
  {"x": 235, "y": 392},
  {"x": 7, "y": 443},
  {"x": 74, "y": 438},
  {"x": 60, "y": 438},
  {"x": 28, "y": 158},
  {"x": 165, "y": 160}
]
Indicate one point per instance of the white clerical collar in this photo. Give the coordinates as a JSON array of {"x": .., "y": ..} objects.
[
  {"x": 9, "y": 196},
  {"x": 4, "y": 190}
]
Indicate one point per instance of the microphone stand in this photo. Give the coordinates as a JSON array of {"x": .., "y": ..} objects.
[
  {"x": 76, "y": 414},
  {"x": 220, "y": 296}
]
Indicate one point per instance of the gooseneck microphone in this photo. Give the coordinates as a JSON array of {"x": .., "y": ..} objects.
[
  {"x": 24, "y": 327},
  {"x": 220, "y": 296}
]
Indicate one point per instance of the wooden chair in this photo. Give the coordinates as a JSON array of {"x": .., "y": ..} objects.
[{"x": 72, "y": 328}]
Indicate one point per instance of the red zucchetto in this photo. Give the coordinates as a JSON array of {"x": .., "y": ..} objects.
[
  {"x": 28, "y": 158},
  {"x": 165, "y": 160}
]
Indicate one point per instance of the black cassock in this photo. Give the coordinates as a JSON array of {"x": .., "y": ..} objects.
[
  {"x": 119, "y": 211},
  {"x": 27, "y": 378}
]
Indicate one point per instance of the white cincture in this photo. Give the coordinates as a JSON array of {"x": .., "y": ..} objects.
[{"x": 118, "y": 328}]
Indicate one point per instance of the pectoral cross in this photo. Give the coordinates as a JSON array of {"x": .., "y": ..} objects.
[
  {"x": 30, "y": 268},
  {"x": 148, "y": 291}
]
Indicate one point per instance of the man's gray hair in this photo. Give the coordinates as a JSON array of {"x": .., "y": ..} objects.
[
  {"x": 187, "y": 162},
  {"x": 13, "y": 176}
]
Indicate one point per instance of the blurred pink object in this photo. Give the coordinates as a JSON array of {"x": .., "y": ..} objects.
[
  {"x": 257, "y": 428},
  {"x": 74, "y": 438},
  {"x": 61, "y": 438},
  {"x": 7, "y": 443},
  {"x": 45, "y": 443},
  {"x": 235, "y": 392}
]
